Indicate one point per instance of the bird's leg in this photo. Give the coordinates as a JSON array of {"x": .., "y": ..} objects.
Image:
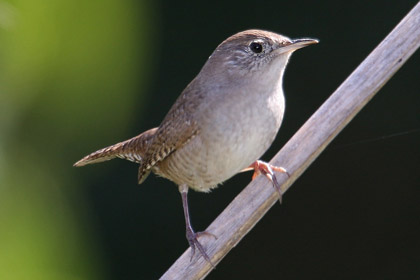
[
  {"x": 261, "y": 167},
  {"x": 191, "y": 235}
]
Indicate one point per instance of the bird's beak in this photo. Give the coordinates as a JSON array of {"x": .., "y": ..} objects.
[{"x": 297, "y": 44}]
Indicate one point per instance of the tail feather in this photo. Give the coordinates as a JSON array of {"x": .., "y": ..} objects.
[{"x": 132, "y": 149}]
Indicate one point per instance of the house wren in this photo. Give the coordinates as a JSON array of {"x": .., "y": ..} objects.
[{"x": 221, "y": 124}]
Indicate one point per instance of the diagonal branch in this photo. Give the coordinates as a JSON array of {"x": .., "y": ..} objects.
[{"x": 257, "y": 198}]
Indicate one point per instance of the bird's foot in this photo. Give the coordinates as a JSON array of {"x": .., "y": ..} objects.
[
  {"x": 261, "y": 167},
  {"x": 192, "y": 238}
]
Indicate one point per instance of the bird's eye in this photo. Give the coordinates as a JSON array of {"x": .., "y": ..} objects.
[{"x": 256, "y": 47}]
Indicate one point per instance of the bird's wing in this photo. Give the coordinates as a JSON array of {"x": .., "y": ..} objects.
[{"x": 176, "y": 130}]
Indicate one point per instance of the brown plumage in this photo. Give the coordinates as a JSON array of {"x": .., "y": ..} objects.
[
  {"x": 132, "y": 149},
  {"x": 222, "y": 123},
  {"x": 177, "y": 128}
]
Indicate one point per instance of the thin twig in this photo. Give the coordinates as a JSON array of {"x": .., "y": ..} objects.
[{"x": 257, "y": 198}]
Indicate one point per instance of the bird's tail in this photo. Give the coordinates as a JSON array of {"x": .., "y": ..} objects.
[{"x": 132, "y": 149}]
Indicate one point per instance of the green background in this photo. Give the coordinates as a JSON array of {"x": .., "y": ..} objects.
[{"x": 76, "y": 76}]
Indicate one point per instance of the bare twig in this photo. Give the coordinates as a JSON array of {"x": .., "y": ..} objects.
[{"x": 257, "y": 198}]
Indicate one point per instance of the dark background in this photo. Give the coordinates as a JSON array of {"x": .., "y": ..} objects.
[{"x": 354, "y": 214}]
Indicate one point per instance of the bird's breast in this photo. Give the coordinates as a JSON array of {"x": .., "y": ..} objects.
[{"x": 232, "y": 135}]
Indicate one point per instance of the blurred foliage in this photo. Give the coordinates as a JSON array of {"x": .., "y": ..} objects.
[{"x": 70, "y": 71}]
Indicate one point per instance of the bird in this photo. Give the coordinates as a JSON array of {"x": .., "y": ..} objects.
[{"x": 221, "y": 124}]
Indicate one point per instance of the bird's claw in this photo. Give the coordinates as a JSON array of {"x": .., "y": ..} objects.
[
  {"x": 194, "y": 243},
  {"x": 261, "y": 167}
]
